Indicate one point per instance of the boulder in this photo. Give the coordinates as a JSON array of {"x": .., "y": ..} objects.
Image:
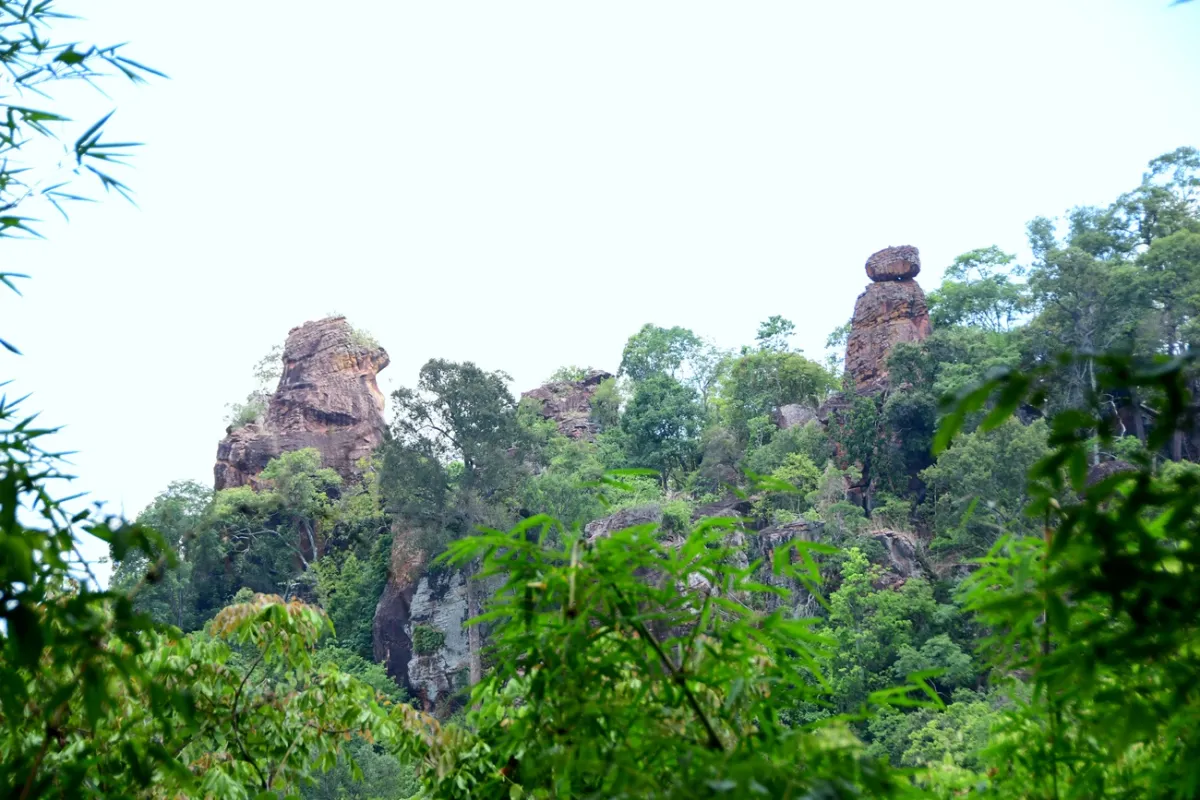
[
  {"x": 901, "y": 560},
  {"x": 569, "y": 404},
  {"x": 327, "y": 399},
  {"x": 625, "y": 518},
  {"x": 1106, "y": 469},
  {"x": 894, "y": 264},
  {"x": 794, "y": 415}
]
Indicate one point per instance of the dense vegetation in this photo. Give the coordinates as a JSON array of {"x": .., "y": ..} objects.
[{"x": 1042, "y": 644}]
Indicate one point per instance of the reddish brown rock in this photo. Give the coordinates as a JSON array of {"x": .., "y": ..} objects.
[
  {"x": 327, "y": 399},
  {"x": 894, "y": 264},
  {"x": 890, "y": 311},
  {"x": 569, "y": 404}
]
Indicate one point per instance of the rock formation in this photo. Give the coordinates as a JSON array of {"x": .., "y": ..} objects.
[
  {"x": 327, "y": 399},
  {"x": 890, "y": 311},
  {"x": 419, "y": 632},
  {"x": 903, "y": 559},
  {"x": 625, "y": 518},
  {"x": 794, "y": 415},
  {"x": 894, "y": 264},
  {"x": 569, "y": 404}
]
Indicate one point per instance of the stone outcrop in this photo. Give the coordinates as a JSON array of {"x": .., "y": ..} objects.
[
  {"x": 392, "y": 626},
  {"x": 794, "y": 415},
  {"x": 890, "y": 311},
  {"x": 625, "y": 518},
  {"x": 327, "y": 399},
  {"x": 1106, "y": 469},
  {"x": 439, "y": 601},
  {"x": 569, "y": 404},
  {"x": 902, "y": 560}
]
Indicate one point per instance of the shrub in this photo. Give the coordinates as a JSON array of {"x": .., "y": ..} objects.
[
  {"x": 427, "y": 639},
  {"x": 242, "y": 414},
  {"x": 677, "y": 516}
]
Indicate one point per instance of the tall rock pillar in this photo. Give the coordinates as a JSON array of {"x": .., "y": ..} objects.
[
  {"x": 890, "y": 311},
  {"x": 327, "y": 399}
]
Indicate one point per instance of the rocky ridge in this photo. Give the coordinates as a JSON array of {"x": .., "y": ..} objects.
[{"x": 569, "y": 404}]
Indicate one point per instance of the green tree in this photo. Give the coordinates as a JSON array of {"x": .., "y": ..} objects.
[
  {"x": 663, "y": 423},
  {"x": 977, "y": 489},
  {"x": 460, "y": 412},
  {"x": 178, "y": 514},
  {"x": 775, "y": 334},
  {"x": 758, "y": 382},
  {"x": 691, "y": 699},
  {"x": 978, "y": 290},
  {"x": 657, "y": 351},
  {"x": 676, "y": 353}
]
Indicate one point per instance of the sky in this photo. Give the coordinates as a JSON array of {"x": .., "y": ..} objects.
[{"x": 524, "y": 184}]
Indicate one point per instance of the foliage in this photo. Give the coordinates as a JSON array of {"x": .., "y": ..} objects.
[
  {"x": 98, "y": 701},
  {"x": 676, "y": 353},
  {"x": 68, "y": 650},
  {"x": 677, "y": 516},
  {"x": 693, "y": 682},
  {"x": 242, "y": 414},
  {"x": 657, "y": 351},
  {"x": 568, "y": 373},
  {"x": 663, "y": 423},
  {"x": 44, "y": 154},
  {"x": 758, "y": 382},
  {"x": 809, "y": 440},
  {"x": 977, "y": 489},
  {"x": 775, "y": 334},
  {"x": 171, "y": 596},
  {"x": 606, "y": 405},
  {"x": 1100, "y": 613},
  {"x": 427, "y": 639},
  {"x": 459, "y": 412},
  {"x": 978, "y": 291},
  {"x": 883, "y": 635}
]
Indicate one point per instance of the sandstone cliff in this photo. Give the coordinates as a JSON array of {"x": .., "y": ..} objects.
[
  {"x": 327, "y": 399},
  {"x": 890, "y": 311}
]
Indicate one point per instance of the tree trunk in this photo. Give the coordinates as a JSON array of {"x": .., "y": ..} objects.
[{"x": 474, "y": 635}]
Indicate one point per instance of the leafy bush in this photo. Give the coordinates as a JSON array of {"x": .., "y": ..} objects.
[
  {"x": 677, "y": 516},
  {"x": 427, "y": 639},
  {"x": 567, "y": 374},
  {"x": 242, "y": 414}
]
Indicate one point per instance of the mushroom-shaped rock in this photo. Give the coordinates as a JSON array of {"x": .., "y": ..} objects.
[{"x": 894, "y": 264}]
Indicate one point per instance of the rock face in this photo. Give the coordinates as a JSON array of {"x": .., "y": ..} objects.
[
  {"x": 327, "y": 399},
  {"x": 901, "y": 560},
  {"x": 625, "y": 518},
  {"x": 418, "y": 632},
  {"x": 890, "y": 311},
  {"x": 794, "y": 415},
  {"x": 569, "y": 404},
  {"x": 392, "y": 626}
]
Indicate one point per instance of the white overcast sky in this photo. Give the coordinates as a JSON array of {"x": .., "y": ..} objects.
[{"x": 524, "y": 184}]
